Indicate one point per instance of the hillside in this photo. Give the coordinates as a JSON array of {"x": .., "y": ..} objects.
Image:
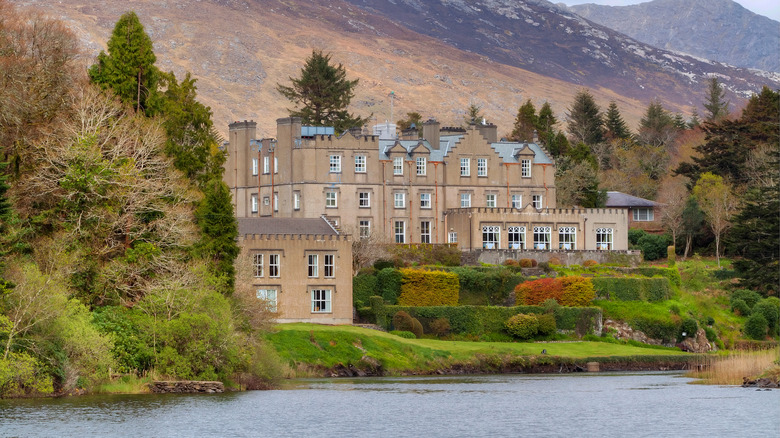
[
  {"x": 712, "y": 29},
  {"x": 438, "y": 57}
]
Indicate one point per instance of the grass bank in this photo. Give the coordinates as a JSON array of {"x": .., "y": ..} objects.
[{"x": 313, "y": 350}]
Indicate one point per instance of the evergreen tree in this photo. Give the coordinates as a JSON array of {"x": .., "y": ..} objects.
[
  {"x": 694, "y": 121},
  {"x": 473, "y": 114},
  {"x": 322, "y": 94},
  {"x": 586, "y": 124},
  {"x": 716, "y": 105},
  {"x": 657, "y": 127},
  {"x": 412, "y": 118},
  {"x": 220, "y": 232},
  {"x": 692, "y": 222},
  {"x": 128, "y": 68},
  {"x": 546, "y": 120},
  {"x": 525, "y": 123},
  {"x": 615, "y": 125}
]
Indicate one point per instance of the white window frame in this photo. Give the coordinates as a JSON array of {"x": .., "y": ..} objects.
[
  {"x": 465, "y": 167},
  {"x": 331, "y": 199},
  {"x": 276, "y": 202},
  {"x": 452, "y": 237},
  {"x": 425, "y": 231},
  {"x": 465, "y": 200},
  {"x": 481, "y": 166},
  {"x": 276, "y": 164},
  {"x": 398, "y": 166},
  {"x": 647, "y": 214},
  {"x": 399, "y": 231},
  {"x": 269, "y": 295},
  {"x": 542, "y": 237},
  {"x": 604, "y": 239},
  {"x": 516, "y": 237},
  {"x": 360, "y": 164},
  {"x": 491, "y": 237},
  {"x": 421, "y": 166},
  {"x": 335, "y": 163},
  {"x": 329, "y": 265},
  {"x": 364, "y": 199},
  {"x": 567, "y": 238},
  {"x": 525, "y": 168},
  {"x": 399, "y": 200},
  {"x": 313, "y": 266},
  {"x": 536, "y": 201},
  {"x": 253, "y": 203},
  {"x": 255, "y": 166},
  {"x": 425, "y": 201},
  {"x": 257, "y": 265},
  {"x": 296, "y": 200},
  {"x": 517, "y": 201},
  {"x": 266, "y": 164},
  {"x": 274, "y": 266},
  {"x": 491, "y": 200},
  {"x": 364, "y": 228},
  {"x": 321, "y": 301}
]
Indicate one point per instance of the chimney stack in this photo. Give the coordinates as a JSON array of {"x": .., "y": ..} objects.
[{"x": 431, "y": 132}]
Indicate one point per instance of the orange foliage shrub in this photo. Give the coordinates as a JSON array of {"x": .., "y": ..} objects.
[
  {"x": 589, "y": 263},
  {"x": 533, "y": 293},
  {"x": 554, "y": 261},
  {"x": 577, "y": 291},
  {"x": 510, "y": 262},
  {"x": 528, "y": 263}
]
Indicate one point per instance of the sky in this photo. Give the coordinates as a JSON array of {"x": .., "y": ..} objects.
[{"x": 767, "y": 8}]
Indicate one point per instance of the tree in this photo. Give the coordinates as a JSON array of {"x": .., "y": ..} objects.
[
  {"x": 585, "y": 121},
  {"x": 578, "y": 185},
  {"x": 718, "y": 204},
  {"x": 128, "y": 68},
  {"x": 412, "y": 118},
  {"x": 525, "y": 123},
  {"x": 220, "y": 232},
  {"x": 716, "y": 105},
  {"x": 673, "y": 195},
  {"x": 322, "y": 94},
  {"x": 692, "y": 221},
  {"x": 545, "y": 121},
  {"x": 657, "y": 127},
  {"x": 473, "y": 114},
  {"x": 614, "y": 124}
]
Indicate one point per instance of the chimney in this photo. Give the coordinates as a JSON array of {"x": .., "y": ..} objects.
[
  {"x": 410, "y": 133},
  {"x": 489, "y": 131},
  {"x": 536, "y": 137},
  {"x": 431, "y": 133}
]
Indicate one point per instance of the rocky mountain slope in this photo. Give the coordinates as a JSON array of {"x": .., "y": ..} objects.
[
  {"x": 720, "y": 30},
  {"x": 438, "y": 56}
]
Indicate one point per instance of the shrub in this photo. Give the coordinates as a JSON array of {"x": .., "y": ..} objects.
[
  {"x": 739, "y": 307},
  {"x": 428, "y": 288},
  {"x": 383, "y": 264},
  {"x": 440, "y": 326},
  {"x": 755, "y": 326},
  {"x": 388, "y": 283},
  {"x": 546, "y": 324},
  {"x": 710, "y": 321},
  {"x": 522, "y": 326},
  {"x": 402, "y": 321},
  {"x": 554, "y": 261},
  {"x": 550, "y": 305},
  {"x": 403, "y": 334},
  {"x": 535, "y": 292},
  {"x": 528, "y": 263},
  {"x": 653, "y": 246},
  {"x": 589, "y": 263},
  {"x": 634, "y": 234},
  {"x": 712, "y": 335},
  {"x": 689, "y": 327},
  {"x": 511, "y": 262},
  {"x": 363, "y": 287},
  {"x": 671, "y": 256},
  {"x": 770, "y": 309},
  {"x": 748, "y": 296},
  {"x": 486, "y": 286},
  {"x": 674, "y": 309},
  {"x": 417, "y": 328},
  {"x": 577, "y": 291},
  {"x": 633, "y": 288}
]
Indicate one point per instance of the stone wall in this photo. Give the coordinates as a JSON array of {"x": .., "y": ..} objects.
[
  {"x": 186, "y": 386},
  {"x": 499, "y": 256}
]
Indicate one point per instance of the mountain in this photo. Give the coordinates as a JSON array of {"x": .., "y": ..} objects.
[
  {"x": 438, "y": 56},
  {"x": 720, "y": 30}
]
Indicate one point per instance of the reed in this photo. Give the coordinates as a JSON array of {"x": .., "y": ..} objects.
[{"x": 732, "y": 368}]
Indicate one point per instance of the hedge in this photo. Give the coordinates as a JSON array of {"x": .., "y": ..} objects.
[
  {"x": 486, "y": 286},
  {"x": 633, "y": 288},
  {"x": 428, "y": 288},
  {"x": 567, "y": 291},
  {"x": 388, "y": 283},
  {"x": 363, "y": 287}
]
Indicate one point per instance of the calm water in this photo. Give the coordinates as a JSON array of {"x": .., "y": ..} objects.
[{"x": 613, "y": 405}]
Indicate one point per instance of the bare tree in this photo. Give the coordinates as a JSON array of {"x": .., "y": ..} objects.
[
  {"x": 673, "y": 195},
  {"x": 718, "y": 204}
]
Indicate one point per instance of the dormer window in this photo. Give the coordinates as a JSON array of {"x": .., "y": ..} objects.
[
  {"x": 421, "y": 165},
  {"x": 398, "y": 165},
  {"x": 525, "y": 165}
]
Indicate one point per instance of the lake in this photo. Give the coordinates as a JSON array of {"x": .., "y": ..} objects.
[{"x": 603, "y": 404}]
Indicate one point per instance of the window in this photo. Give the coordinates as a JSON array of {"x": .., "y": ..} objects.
[
  {"x": 491, "y": 235},
  {"x": 425, "y": 200},
  {"x": 328, "y": 265},
  {"x": 481, "y": 166},
  {"x": 364, "y": 199},
  {"x": 517, "y": 201},
  {"x": 465, "y": 166},
  {"x": 266, "y": 200},
  {"x": 537, "y": 201},
  {"x": 320, "y": 300},
  {"x": 297, "y": 201},
  {"x": 425, "y": 232},
  {"x": 643, "y": 214},
  {"x": 335, "y": 164},
  {"x": 567, "y": 237},
  {"x": 452, "y": 237},
  {"x": 254, "y": 166},
  {"x": 525, "y": 166},
  {"x": 364, "y": 228},
  {"x": 331, "y": 199},
  {"x": 421, "y": 165},
  {"x": 257, "y": 265},
  {"x": 360, "y": 164},
  {"x": 313, "y": 266},
  {"x": 542, "y": 237},
  {"x": 269, "y": 295},
  {"x": 276, "y": 202},
  {"x": 465, "y": 200},
  {"x": 398, "y": 165},
  {"x": 490, "y": 200},
  {"x": 399, "y": 230},
  {"x": 273, "y": 265},
  {"x": 604, "y": 238},
  {"x": 266, "y": 164},
  {"x": 253, "y": 202},
  {"x": 516, "y": 237},
  {"x": 276, "y": 165},
  {"x": 399, "y": 200}
]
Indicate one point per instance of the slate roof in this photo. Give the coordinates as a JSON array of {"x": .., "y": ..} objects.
[
  {"x": 619, "y": 199},
  {"x": 505, "y": 150},
  {"x": 286, "y": 225}
]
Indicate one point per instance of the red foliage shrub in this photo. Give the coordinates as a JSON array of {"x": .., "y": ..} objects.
[
  {"x": 589, "y": 263},
  {"x": 535, "y": 292}
]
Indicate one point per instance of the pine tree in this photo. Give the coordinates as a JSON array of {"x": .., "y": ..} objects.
[
  {"x": 545, "y": 123},
  {"x": 694, "y": 121},
  {"x": 128, "y": 68},
  {"x": 692, "y": 222},
  {"x": 716, "y": 105},
  {"x": 412, "y": 118},
  {"x": 473, "y": 114},
  {"x": 585, "y": 121},
  {"x": 615, "y": 125},
  {"x": 656, "y": 128},
  {"x": 219, "y": 233},
  {"x": 525, "y": 123},
  {"x": 322, "y": 94}
]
